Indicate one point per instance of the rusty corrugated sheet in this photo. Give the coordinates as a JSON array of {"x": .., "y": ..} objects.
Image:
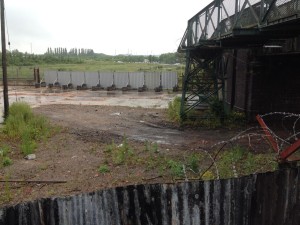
[{"x": 270, "y": 198}]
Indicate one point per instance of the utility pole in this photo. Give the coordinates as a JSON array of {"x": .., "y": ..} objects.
[{"x": 4, "y": 66}]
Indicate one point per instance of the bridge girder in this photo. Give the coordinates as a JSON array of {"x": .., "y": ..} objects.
[
  {"x": 224, "y": 20},
  {"x": 229, "y": 24}
]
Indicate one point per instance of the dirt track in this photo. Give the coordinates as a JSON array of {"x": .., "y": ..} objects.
[{"x": 74, "y": 154}]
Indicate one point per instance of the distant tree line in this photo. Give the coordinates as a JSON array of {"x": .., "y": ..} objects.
[
  {"x": 73, "y": 51},
  {"x": 26, "y": 59},
  {"x": 78, "y": 55},
  {"x": 167, "y": 58}
]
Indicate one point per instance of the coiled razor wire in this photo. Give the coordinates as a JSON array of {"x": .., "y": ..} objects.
[
  {"x": 295, "y": 133},
  {"x": 256, "y": 132}
]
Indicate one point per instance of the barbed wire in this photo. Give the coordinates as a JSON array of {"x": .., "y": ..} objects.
[
  {"x": 280, "y": 113},
  {"x": 255, "y": 132},
  {"x": 295, "y": 133},
  {"x": 237, "y": 137}
]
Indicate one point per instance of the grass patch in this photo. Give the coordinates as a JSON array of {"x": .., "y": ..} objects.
[
  {"x": 238, "y": 161},
  {"x": 103, "y": 169},
  {"x": 6, "y": 161},
  {"x": 91, "y": 66},
  {"x": 151, "y": 147},
  {"x": 176, "y": 168},
  {"x": 120, "y": 154},
  {"x": 214, "y": 117},
  {"x": 234, "y": 162},
  {"x": 193, "y": 162},
  {"x": 24, "y": 126}
]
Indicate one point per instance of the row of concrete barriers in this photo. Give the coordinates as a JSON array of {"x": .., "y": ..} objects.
[{"x": 141, "y": 81}]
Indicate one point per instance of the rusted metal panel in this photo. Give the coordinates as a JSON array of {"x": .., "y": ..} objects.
[{"x": 269, "y": 198}]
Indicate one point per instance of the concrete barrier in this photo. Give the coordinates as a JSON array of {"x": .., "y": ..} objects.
[{"x": 166, "y": 80}]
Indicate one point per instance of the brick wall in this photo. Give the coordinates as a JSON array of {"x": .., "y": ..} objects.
[
  {"x": 276, "y": 86},
  {"x": 237, "y": 88},
  {"x": 264, "y": 82}
]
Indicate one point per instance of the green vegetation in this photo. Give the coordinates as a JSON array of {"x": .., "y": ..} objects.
[
  {"x": 193, "y": 162},
  {"x": 6, "y": 196},
  {"x": 176, "y": 168},
  {"x": 215, "y": 116},
  {"x": 4, "y": 156},
  {"x": 152, "y": 147},
  {"x": 238, "y": 161},
  {"x": 22, "y": 125},
  {"x": 21, "y": 65},
  {"x": 6, "y": 161},
  {"x": 232, "y": 162},
  {"x": 77, "y": 56},
  {"x": 174, "y": 110},
  {"x": 120, "y": 154},
  {"x": 103, "y": 169}
]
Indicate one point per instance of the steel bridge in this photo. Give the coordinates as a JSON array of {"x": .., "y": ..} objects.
[{"x": 230, "y": 25}]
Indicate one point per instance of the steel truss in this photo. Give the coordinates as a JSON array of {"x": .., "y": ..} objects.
[
  {"x": 223, "y": 19},
  {"x": 204, "y": 80},
  {"x": 229, "y": 24}
]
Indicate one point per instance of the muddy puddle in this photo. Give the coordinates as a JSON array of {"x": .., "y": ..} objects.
[
  {"x": 36, "y": 97},
  {"x": 46, "y": 96},
  {"x": 68, "y": 106}
]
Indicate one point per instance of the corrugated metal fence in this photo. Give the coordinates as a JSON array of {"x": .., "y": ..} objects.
[
  {"x": 270, "y": 198},
  {"x": 152, "y": 80}
]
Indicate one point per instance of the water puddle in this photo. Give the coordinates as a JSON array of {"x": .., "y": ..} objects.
[{"x": 48, "y": 96}]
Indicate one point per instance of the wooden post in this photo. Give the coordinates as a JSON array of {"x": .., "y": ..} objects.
[{"x": 4, "y": 66}]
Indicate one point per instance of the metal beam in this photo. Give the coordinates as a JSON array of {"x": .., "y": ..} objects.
[
  {"x": 228, "y": 33},
  {"x": 269, "y": 10}
]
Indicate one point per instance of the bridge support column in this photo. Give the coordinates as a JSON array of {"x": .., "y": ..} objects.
[{"x": 203, "y": 81}]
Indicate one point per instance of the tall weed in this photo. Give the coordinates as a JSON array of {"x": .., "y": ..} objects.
[
  {"x": 174, "y": 109},
  {"x": 4, "y": 156}
]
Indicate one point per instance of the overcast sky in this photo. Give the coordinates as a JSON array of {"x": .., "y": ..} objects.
[{"x": 106, "y": 26}]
